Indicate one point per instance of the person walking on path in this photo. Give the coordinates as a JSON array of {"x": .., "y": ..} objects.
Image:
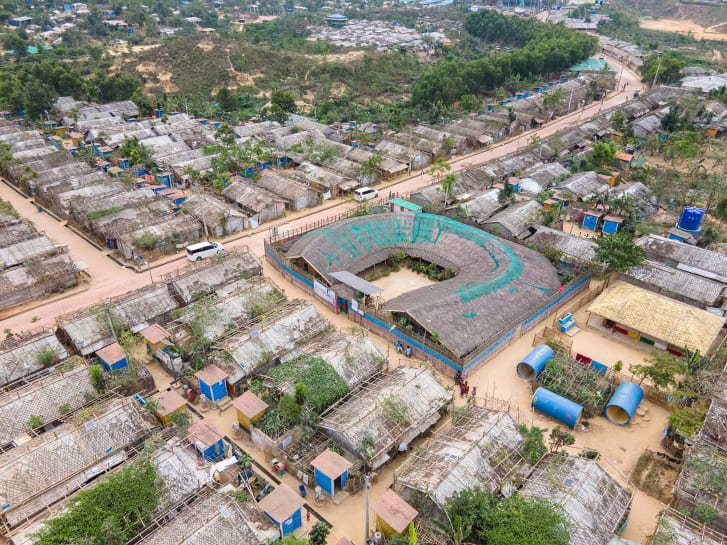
[{"x": 398, "y": 347}]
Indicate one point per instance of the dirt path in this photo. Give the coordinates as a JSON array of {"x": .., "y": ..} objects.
[
  {"x": 716, "y": 55},
  {"x": 684, "y": 27}
]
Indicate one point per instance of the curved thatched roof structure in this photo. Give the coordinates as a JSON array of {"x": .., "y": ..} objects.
[{"x": 496, "y": 282}]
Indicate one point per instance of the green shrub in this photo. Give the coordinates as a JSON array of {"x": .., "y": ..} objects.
[
  {"x": 47, "y": 357},
  {"x": 324, "y": 386},
  {"x": 96, "y": 214},
  {"x": 146, "y": 241},
  {"x": 35, "y": 421},
  {"x": 112, "y": 511},
  {"x": 98, "y": 378}
]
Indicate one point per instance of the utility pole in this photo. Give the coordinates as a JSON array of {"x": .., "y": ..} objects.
[
  {"x": 570, "y": 99},
  {"x": 411, "y": 169},
  {"x": 201, "y": 209},
  {"x": 367, "y": 483},
  {"x": 658, "y": 67}
]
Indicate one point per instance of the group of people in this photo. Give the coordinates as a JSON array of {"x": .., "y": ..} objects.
[
  {"x": 464, "y": 387},
  {"x": 400, "y": 348}
]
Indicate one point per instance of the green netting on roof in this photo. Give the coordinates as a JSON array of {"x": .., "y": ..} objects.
[{"x": 390, "y": 230}]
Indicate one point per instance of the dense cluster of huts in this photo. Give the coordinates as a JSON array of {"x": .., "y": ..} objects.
[
  {"x": 60, "y": 434},
  {"x": 142, "y": 212},
  {"x": 32, "y": 264}
]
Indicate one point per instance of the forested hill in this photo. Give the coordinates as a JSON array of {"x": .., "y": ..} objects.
[{"x": 543, "y": 48}]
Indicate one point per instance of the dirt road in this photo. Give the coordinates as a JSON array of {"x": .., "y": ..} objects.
[{"x": 109, "y": 280}]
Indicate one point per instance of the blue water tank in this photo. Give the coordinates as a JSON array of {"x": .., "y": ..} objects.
[
  {"x": 623, "y": 403},
  {"x": 532, "y": 364},
  {"x": 558, "y": 407},
  {"x": 691, "y": 218}
]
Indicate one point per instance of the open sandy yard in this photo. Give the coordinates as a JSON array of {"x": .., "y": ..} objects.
[
  {"x": 685, "y": 27},
  {"x": 401, "y": 282}
]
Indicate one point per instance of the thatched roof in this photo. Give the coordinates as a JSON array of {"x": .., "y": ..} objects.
[
  {"x": 594, "y": 501},
  {"x": 15, "y": 231},
  {"x": 354, "y": 357},
  {"x": 43, "y": 398},
  {"x": 483, "y": 205},
  {"x": 496, "y": 281},
  {"x": 234, "y": 308},
  {"x": 479, "y": 449},
  {"x": 675, "y": 528},
  {"x": 209, "y": 209},
  {"x": 200, "y": 279},
  {"x": 21, "y": 358},
  {"x": 685, "y": 256},
  {"x": 249, "y": 196},
  {"x": 287, "y": 188},
  {"x": 26, "y": 250},
  {"x": 215, "y": 519},
  {"x": 90, "y": 331},
  {"x": 704, "y": 463},
  {"x": 658, "y": 317},
  {"x": 585, "y": 185},
  {"x": 368, "y": 413},
  {"x": 49, "y": 467},
  {"x": 518, "y": 218},
  {"x": 278, "y": 336},
  {"x": 675, "y": 283},
  {"x": 573, "y": 248}
]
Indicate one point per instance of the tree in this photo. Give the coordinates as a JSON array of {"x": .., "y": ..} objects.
[
  {"x": 560, "y": 438},
  {"x": 507, "y": 521},
  {"x": 619, "y": 252},
  {"x": 181, "y": 420},
  {"x": 226, "y": 100},
  {"x": 283, "y": 100},
  {"x": 152, "y": 406},
  {"x": 553, "y": 99},
  {"x": 533, "y": 447},
  {"x": 369, "y": 168},
  {"x": 507, "y": 194},
  {"x": 137, "y": 153},
  {"x": 39, "y": 99},
  {"x": 225, "y": 134},
  {"x": 98, "y": 378},
  {"x": 446, "y": 186},
  {"x": 319, "y": 533},
  {"x": 470, "y": 103},
  {"x": 110, "y": 512},
  {"x": 453, "y": 531},
  {"x": 617, "y": 120},
  {"x": 601, "y": 154},
  {"x": 667, "y": 64},
  {"x": 671, "y": 121},
  {"x": 662, "y": 368},
  {"x": 525, "y": 521},
  {"x": 300, "y": 390},
  {"x": 438, "y": 167}
]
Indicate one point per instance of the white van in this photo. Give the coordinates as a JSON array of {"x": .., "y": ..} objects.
[
  {"x": 365, "y": 194},
  {"x": 201, "y": 250}
]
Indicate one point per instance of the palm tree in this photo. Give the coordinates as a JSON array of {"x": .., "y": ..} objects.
[
  {"x": 438, "y": 167},
  {"x": 452, "y": 530}
]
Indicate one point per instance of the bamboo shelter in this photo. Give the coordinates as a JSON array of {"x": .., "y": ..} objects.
[{"x": 593, "y": 501}]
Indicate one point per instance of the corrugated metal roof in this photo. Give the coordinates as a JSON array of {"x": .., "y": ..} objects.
[{"x": 357, "y": 283}]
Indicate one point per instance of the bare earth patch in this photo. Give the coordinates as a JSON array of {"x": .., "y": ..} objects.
[{"x": 684, "y": 27}]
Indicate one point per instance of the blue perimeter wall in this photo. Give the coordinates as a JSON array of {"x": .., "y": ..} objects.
[{"x": 424, "y": 351}]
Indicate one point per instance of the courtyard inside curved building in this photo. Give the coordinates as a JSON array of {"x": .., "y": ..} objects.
[{"x": 495, "y": 284}]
